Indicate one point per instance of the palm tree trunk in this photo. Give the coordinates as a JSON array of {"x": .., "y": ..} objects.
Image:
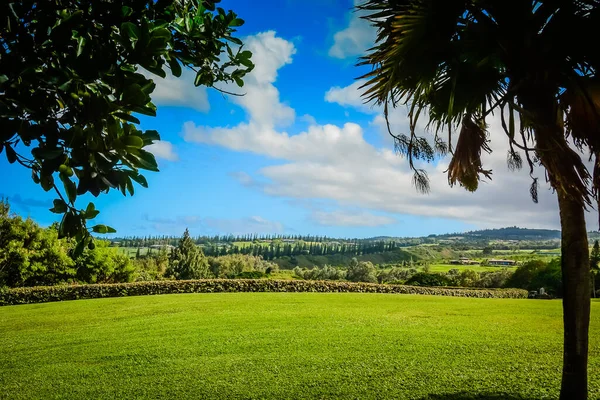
[{"x": 576, "y": 298}]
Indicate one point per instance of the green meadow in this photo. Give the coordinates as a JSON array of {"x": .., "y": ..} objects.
[{"x": 287, "y": 345}]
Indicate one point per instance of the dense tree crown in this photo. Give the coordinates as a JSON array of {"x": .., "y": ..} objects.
[
  {"x": 73, "y": 74},
  {"x": 188, "y": 260}
]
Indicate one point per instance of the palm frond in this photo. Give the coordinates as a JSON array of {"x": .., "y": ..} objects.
[{"x": 465, "y": 166}]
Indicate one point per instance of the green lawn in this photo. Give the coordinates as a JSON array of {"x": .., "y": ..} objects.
[{"x": 286, "y": 345}]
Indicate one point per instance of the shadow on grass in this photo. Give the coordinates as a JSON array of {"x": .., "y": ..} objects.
[{"x": 474, "y": 396}]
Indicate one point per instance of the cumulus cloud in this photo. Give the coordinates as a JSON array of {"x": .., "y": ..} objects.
[
  {"x": 355, "y": 39},
  {"x": 163, "y": 149},
  {"x": 336, "y": 163},
  {"x": 309, "y": 119},
  {"x": 261, "y": 98},
  {"x": 172, "y": 91},
  {"x": 350, "y": 218},
  {"x": 350, "y": 96}
]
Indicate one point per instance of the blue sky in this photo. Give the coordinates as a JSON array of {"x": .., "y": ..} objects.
[{"x": 299, "y": 153}]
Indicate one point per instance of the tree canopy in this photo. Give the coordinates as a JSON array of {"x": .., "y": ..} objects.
[
  {"x": 456, "y": 62},
  {"x": 74, "y": 74}
]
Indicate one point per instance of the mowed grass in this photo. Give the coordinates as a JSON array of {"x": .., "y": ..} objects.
[{"x": 287, "y": 345}]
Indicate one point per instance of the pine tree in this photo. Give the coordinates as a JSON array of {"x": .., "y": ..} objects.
[{"x": 188, "y": 260}]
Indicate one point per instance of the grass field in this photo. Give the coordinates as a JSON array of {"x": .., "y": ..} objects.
[
  {"x": 476, "y": 268},
  {"x": 287, "y": 345}
]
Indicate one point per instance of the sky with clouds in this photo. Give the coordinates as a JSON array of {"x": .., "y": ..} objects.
[{"x": 298, "y": 153}]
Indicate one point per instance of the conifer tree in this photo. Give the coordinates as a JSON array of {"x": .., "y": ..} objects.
[{"x": 188, "y": 260}]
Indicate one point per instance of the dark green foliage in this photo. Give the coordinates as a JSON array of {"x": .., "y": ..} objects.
[
  {"x": 235, "y": 265},
  {"x": 61, "y": 293},
  {"x": 536, "y": 274},
  {"x": 425, "y": 279},
  {"x": 75, "y": 73},
  {"x": 30, "y": 255},
  {"x": 249, "y": 275},
  {"x": 594, "y": 267},
  {"x": 187, "y": 260},
  {"x": 103, "y": 265},
  {"x": 326, "y": 273},
  {"x": 526, "y": 273},
  {"x": 361, "y": 271}
]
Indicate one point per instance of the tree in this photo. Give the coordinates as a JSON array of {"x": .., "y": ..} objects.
[
  {"x": 188, "y": 261},
  {"x": 361, "y": 271},
  {"x": 103, "y": 264},
  {"x": 594, "y": 260},
  {"x": 454, "y": 62},
  {"x": 31, "y": 255},
  {"x": 74, "y": 72}
]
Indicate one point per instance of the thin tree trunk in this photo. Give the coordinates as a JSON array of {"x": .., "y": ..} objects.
[{"x": 576, "y": 298}]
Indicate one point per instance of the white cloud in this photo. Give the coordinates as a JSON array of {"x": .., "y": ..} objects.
[
  {"x": 241, "y": 226},
  {"x": 348, "y": 218},
  {"x": 163, "y": 149},
  {"x": 333, "y": 163},
  {"x": 355, "y": 39},
  {"x": 243, "y": 178},
  {"x": 350, "y": 96},
  {"x": 309, "y": 119},
  {"x": 261, "y": 100},
  {"x": 172, "y": 91}
]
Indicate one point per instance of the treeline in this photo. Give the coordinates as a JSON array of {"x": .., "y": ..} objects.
[
  {"x": 34, "y": 256},
  {"x": 532, "y": 275},
  {"x": 274, "y": 250},
  {"x": 147, "y": 241},
  {"x": 364, "y": 271}
]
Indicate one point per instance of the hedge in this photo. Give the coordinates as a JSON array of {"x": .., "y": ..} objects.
[{"x": 42, "y": 294}]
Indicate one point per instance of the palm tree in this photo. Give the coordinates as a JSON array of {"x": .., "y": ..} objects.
[{"x": 454, "y": 62}]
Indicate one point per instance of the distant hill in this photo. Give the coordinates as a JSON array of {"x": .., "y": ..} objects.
[
  {"x": 343, "y": 260},
  {"x": 509, "y": 233}
]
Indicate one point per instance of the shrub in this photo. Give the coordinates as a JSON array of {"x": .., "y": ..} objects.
[
  {"x": 464, "y": 278},
  {"x": 151, "y": 268},
  {"x": 31, "y": 255},
  {"x": 43, "y": 294},
  {"x": 249, "y": 275},
  {"x": 104, "y": 264},
  {"x": 236, "y": 264},
  {"x": 394, "y": 275},
  {"x": 425, "y": 279},
  {"x": 363, "y": 271},
  {"x": 525, "y": 274},
  {"x": 326, "y": 273},
  {"x": 495, "y": 279},
  {"x": 536, "y": 274}
]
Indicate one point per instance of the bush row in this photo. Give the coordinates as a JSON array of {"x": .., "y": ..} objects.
[{"x": 43, "y": 294}]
